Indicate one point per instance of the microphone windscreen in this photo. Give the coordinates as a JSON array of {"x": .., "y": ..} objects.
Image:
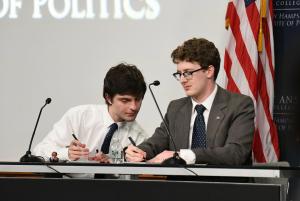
[
  {"x": 156, "y": 83},
  {"x": 48, "y": 100}
]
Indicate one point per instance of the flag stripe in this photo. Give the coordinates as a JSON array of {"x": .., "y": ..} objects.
[
  {"x": 248, "y": 31},
  {"x": 268, "y": 50},
  {"x": 250, "y": 71},
  {"x": 230, "y": 85},
  {"x": 236, "y": 73},
  {"x": 265, "y": 101},
  {"x": 257, "y": 148},
  {"x": 253, "y": 17},
  {"x": 242, "y": 53}
]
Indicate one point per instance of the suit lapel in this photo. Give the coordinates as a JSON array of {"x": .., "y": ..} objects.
[
  {"x": 183, "y": 121},
  {"x": 216, "y": 115}
]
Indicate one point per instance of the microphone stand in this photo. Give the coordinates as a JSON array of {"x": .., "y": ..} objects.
[
  {"x": 28, "y": 157},
  {"x": 176, "y": 159}
]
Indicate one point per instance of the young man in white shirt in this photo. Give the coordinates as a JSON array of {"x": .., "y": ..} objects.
[{"x": 95, "y": 126}]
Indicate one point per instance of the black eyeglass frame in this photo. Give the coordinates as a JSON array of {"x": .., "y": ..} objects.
[{"x": 186, "y": 74}]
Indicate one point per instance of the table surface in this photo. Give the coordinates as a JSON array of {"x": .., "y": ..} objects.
[{"x": 152, "y": 169}]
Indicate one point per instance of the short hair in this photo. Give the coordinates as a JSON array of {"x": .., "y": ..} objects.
[
  {"x": 198, "y": 50},
  {"x": 124, "y": 79}
]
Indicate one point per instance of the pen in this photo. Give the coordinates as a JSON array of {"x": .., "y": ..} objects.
[
  {"x": 74, "y": 136},
  {"x": 132, "y": 142}
]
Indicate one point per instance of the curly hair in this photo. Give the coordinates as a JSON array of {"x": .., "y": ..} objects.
[
  {"x": 124, "y": 79},
  {"x": 198, "y": 50}
]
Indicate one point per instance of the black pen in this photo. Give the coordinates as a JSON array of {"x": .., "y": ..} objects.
[
  {"x": 132, "y": 142},
  {"x": 74, "y": 136}
]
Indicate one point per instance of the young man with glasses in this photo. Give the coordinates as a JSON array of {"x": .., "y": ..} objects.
[{"x": 211, "y": 125}]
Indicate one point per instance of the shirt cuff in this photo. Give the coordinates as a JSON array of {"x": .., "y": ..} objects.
[{"x": 188, "y": 155}]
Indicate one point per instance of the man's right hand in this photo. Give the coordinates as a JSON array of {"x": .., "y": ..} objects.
[
  {"x": 134, "y": 154},
  {"x": 77, "y": 150}
]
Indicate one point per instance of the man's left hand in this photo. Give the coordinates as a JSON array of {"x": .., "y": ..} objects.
[
  {"x": 159, "y": 158},
  {"x": 101, "y": 157}
]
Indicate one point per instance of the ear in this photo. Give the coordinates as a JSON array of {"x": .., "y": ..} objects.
[
  {"x": 108, "y": 99},
  {"x": 210, "y": 72}
]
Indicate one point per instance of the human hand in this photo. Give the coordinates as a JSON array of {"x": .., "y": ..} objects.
[
  {"x": 159, "y": 158},
  {"x": 134, "y": 154},
  {"x": 101, "y": 157},
  {"x": 77, "y": 150}
]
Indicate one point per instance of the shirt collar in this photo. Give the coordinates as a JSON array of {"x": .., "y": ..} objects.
[
  {"x": 107, "y": 120},
  {"x": 207, "y": 103}
]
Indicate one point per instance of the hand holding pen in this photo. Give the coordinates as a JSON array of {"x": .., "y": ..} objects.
[
  {"x": 77, "y": 149},
  {"x": 133, "y": 153}
]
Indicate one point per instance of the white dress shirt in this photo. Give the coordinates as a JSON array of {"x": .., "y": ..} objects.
[
  {"x": 90, "y": 124},
  {"x": 187, "y": 154}
]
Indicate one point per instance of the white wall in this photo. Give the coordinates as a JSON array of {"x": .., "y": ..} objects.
[{"x": 66, "y": 59}]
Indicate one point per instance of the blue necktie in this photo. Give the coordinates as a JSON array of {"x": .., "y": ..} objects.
[
  {"x": 199, "y": 133},
  {"x": 108, "y": 137}
]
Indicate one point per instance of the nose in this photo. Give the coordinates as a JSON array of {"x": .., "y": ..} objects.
[
  {"x": 134, "y": 105},
  {"x": 182, "y": 79}
]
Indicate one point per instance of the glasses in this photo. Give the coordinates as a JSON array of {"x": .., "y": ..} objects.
[{"x": 187, "y": 74}]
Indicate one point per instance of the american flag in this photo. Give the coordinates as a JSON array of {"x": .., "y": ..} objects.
[{"x": 249, "y": 67}]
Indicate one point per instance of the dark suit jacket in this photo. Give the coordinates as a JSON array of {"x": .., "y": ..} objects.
[{"x": 230, "y": 130}]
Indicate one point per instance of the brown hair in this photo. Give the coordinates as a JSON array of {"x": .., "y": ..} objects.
[{"x": 198, "y": 50}]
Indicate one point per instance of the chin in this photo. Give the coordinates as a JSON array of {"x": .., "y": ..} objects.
[
  {"x": 189, "y": 93},
  {"x": 130, "y": 118}
]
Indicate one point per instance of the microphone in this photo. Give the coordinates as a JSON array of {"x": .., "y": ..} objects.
[
  {"x": 176, "y": 159},
  {"x": 28, "y": 157}
]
